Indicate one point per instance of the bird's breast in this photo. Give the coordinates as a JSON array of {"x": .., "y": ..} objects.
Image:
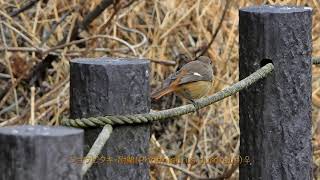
[{"x": 194, "y": 90}]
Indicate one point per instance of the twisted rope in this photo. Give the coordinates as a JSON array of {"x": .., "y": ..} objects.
[
  {"x": 139, "y": 118},
  {"x": 178, "y": 111},
  {"x": 169, "y": 113},
  {"x": 316, "y": 60}
]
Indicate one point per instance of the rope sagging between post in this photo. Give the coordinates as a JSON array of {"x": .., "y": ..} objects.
[
  {"x": 160, "y": 115},
  {"x": 169, "y": 113},
  {"x": 174, "y": 112}
]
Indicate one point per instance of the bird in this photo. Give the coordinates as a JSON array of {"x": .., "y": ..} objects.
[{"x": 192, "y": 81}]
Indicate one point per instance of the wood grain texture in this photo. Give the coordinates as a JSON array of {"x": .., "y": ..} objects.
[
  {"x": 106, "y": 86},
  {"x": 275, "y": 113}
]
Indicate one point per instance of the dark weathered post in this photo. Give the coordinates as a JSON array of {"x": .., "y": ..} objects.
[
  {"x": 40, "y": 152},
  {"x": 275, "y": 113},
  {"x": 106, "y": 86}
]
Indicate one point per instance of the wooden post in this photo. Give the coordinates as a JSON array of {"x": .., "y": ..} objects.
[
  {"x": 108, "y": 86},
  {"x": 275, "y": 113},
  {"x": 40, "y": 152}
]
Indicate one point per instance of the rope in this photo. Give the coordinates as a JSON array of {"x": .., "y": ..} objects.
[
  {"x": 96, "y": 148},
  {"x": 106, "y": 121},
  {"x": 316, "y": 60},
  {"x": 174, "y": 112},
  {"x": 169, "y": 113}
]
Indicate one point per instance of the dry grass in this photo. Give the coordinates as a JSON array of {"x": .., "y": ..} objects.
[{"x": 171, "y": 27}]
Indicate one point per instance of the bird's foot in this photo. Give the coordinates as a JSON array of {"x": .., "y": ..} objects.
[{"x": 196, "y": 105}]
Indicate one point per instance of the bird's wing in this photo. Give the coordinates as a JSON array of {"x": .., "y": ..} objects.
[
  {"x": 170, "y": 88},
  {"x": 194, "y": 74},
  {"x": 190, "y": 74}
]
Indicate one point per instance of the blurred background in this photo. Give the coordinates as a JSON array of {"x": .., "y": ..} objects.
[{"x": 40, "y": 37}]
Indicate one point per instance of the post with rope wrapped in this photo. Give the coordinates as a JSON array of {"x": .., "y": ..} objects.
[
  {"x": 108, "y": 86},
  {"x": 275, "y": 113}
]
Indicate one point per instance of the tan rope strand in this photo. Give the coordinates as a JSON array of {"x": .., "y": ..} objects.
[
  {"x": 169, "y": 113},
  {"x": 316, "y": 60},
  {"x": 178, "y": 111},
  {"x": 139, "y": 118}
]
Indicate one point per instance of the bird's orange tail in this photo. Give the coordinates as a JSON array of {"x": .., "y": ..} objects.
[
  {"x": 157, "y": 95},
  {"x": 173, "y": 86}
]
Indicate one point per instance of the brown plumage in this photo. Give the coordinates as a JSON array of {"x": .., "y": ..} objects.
[{"x": 192, "y": 81}]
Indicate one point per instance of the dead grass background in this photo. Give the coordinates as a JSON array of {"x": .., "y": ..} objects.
[{"x": 170, "y": 27}]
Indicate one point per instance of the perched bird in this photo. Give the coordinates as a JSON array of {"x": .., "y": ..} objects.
[{"x": 191, "y": 81}]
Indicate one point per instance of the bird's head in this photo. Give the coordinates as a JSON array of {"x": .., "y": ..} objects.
[{"x": 205, "y": 60}]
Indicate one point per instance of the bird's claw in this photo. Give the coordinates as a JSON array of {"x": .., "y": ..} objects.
[{"x": 196, "y": 106}]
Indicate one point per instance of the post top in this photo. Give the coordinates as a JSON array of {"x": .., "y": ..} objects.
[
  {"x": 109, "y": 61},
  {"x": 275, "y": 9},
  {"x": 48, "y": 131}
]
